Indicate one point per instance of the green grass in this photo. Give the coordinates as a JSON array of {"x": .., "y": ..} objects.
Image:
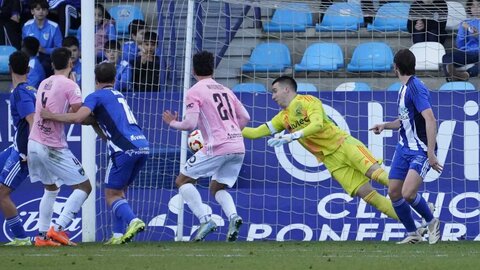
[{"x": 247, "y": 255}]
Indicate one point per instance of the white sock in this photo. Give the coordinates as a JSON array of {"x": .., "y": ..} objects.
[
  {"x": 226, "y": 201},
  {"x": 194, "y": 201},
  {"x": 71, "y": 208},
  {"x": 46, "y": 209}
]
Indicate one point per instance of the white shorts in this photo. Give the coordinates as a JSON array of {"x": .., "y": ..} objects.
[
  {"x": 51, "y": 165},
  {"x": 224, "y": 169}
]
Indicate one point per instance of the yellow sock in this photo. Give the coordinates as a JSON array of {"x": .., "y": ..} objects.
[
  {"x": 381, "y": 176},
  {"x": 383, "y": 204}
]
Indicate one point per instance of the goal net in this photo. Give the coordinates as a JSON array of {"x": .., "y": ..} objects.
[{"x": 284, "y": 193}]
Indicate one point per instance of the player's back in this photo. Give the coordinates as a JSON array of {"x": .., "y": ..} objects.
[
  {"x": 56, "y": 94},
  {"x": 22, "y": 103},
  {"x": 218, "y": 121},
  {"x": 116, "y": 119}
]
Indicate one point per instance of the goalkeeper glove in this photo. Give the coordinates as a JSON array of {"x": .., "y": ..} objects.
[{"x": 283, "y": 139}]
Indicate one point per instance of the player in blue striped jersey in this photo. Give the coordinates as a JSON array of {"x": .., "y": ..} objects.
[
  {"x": 415, "y": 151},
  {"x": 128, "y": 147},
  {"x": 13, "y": 162}
]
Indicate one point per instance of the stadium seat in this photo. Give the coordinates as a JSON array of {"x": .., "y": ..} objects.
[
  {"x": 341, "y": 17},
  {"x": 5, "y": 52},
  {"x": 268, "y": 57},
  {"x": 371, "y": 56},
  {"x": 456, "y": 14},
  {"x": 294, "y": 18},
  {"x": 394, "y": 86},
  {"x": 428, "y": 55},
  {"x": 306, "y": 87},
  {"x": 124, "y": 15},
  {"x": 353, "y": 86},
  {"x": 321, "y": 57},
  {"x": 249, "y": 87},
  {"x": 457, "y": 86},
  {"x": 390, "y": 17}
]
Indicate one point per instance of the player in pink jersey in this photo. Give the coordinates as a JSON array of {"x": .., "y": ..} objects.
[
  {"x": 49, "y": 159},
  {"x": 220, "y": 117}
]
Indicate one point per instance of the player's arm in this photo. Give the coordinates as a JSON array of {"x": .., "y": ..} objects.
[
  {"x": 29, "y": 119},
  {"x": 99, "y": 131},
  {"x": 378, "y": 128},
  {"x": 76, "y": 117},
  {"x": 269, "y": 128},
  {"x": 431, "y": 127},
  {"x": 189, "y": 123}
]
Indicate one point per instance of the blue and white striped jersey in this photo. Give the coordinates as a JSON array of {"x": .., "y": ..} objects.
[{"x": 22, "y": 103}]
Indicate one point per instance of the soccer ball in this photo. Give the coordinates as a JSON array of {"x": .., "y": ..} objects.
[{"x": 195, "y": 140}]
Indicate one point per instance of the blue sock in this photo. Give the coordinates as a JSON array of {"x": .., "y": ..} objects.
[
  {"x": 404, "y": 213},
  {"x": 421, "y": 206},
  {"x": 117, "y": 224},
  {"x": 16, "y": 227},
  {"x": 122, "y": 209}
]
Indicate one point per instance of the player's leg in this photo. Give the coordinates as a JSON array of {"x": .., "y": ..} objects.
[
  {"x": 375, "y": 199},
  {"x": 378, "y": 174}
]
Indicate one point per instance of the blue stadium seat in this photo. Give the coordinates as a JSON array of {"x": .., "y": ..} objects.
[
  {"x": 306, "y": 87},
  {"x": 5, "y": 52},
  {"x": 249, "y": 87},
  {"x": 394, "y": 87},
  {"x": 353, "y": 86},
  {"x": 294, "y": 18},
  {"x": 321, "y": 57},
  {"x": 371, "y": 56},
  {"x": 457, "y": 86},
  {"x": 268, "y": 57},
  {"x": 390, "y": 17},
  {"x": 341, "y": 17},
  {"x": 124, "y": 15}
]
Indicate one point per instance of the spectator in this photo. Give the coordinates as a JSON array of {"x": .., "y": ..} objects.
[
  {"x": 146, "y": 73},
  {"x": 36, "y": 74},
  {"x": 10, "y": 27},
  {"x": 123, "y": 78},
  {"x": 66, "y": 13},
  {"x": 131, "y": 48},
  {"x": 467, "y": 46},
  {"x": 427, "y": 21},
  {"x": 71, "y": 43}
]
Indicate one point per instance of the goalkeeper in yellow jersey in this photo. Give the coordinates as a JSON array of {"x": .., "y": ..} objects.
[{"x": 346, "y": 158}]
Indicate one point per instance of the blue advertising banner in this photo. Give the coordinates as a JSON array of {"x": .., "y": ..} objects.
[{"x": 283, "y": 193}]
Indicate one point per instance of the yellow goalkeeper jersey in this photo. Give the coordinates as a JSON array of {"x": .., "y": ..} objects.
[{"x": 321, "y": 135}]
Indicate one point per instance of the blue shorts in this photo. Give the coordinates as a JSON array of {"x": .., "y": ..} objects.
[
  {"x": 123, "y": 169},
  {"x": 406, "y": 159},
  {"x": 13, "y": 169}
]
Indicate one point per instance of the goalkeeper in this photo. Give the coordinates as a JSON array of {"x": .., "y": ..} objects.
[{"x": 346, "y": 158}]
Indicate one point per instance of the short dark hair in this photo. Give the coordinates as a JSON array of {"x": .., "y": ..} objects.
[
  {"x": 469, "y": 5},
  {"x": 30, "y": 45},
  {"x": 70, "y": 41},
  {"x": 150, "y": 36},
  {"x": 18, "y": 62},
  {"x": 286, "y": 80},
  {"x": 60, "y": 57},
  {"x": 135, "y": 26},
  {"x": 41, "y": 3},
  {"x": 112, "y": 44},
  {"x": 105, "y": 72},
  {"x": 203, "y": 63},
  {"x": 106, "y": 14},
  {"x": 405, "y": 61}
]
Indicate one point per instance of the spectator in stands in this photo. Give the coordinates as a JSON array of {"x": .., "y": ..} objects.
[
  {"x": 467, "y": 46},
  {"x": 131, "y": 48},
  {"x": 146, "y": 73},
  {"x": 66, "y": 13},
  {"x": 123, "y": 78},
  {"x": 10, "y": 27},
  {"x": 36, "y": 75},
  {"x": 427, "y": 21},
  {"x": 72, "y": 44}
]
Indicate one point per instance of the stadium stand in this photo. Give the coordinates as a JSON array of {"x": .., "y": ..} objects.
[
  {"x": 371, "y": 56},
  {"x": 341, "y": 17},
  {"x": 353, "y": 86},
  {"x": 124, "y": 15},
  {"x": 456, "y": 14},
  {"x": 390, "y": 17},
  {"x": 249, "y": 87},
  {"x": 428, "y": 55},
  {"x": 5, "y": 52},
  {"x": 306, "y": 87},
  {"x": 457, "y": 86},
  {"x": 268, "y": 57},
  {"x": 394, "y": 86},
  {"x": 288, "y": 20},
  {"x": 321, "y": 57}
]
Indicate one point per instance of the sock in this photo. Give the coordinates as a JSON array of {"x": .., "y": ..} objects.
[
  {"x": 404, "y": 213},
  {"x": 381, "y": 176},
  {"x": 421, "y": 206},
  {"x": 122, "y": 211},
  {"x": 71, "y": 208},
  {"x": 16, "y": 227},
  {"x": 226, "y": 201},
  {"x": 383, "y": 204},
  {"x": 46, "y": 209},
  {"x": 192, "y": 197}
]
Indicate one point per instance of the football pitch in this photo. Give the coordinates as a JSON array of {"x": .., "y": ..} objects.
[{"x": 246, "y": 255}]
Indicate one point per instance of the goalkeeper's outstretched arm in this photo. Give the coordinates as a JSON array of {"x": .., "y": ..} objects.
[{"x": 255, "y": 133}]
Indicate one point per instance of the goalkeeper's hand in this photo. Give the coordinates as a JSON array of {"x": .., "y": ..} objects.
[{"x": 283, "y": 139}]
